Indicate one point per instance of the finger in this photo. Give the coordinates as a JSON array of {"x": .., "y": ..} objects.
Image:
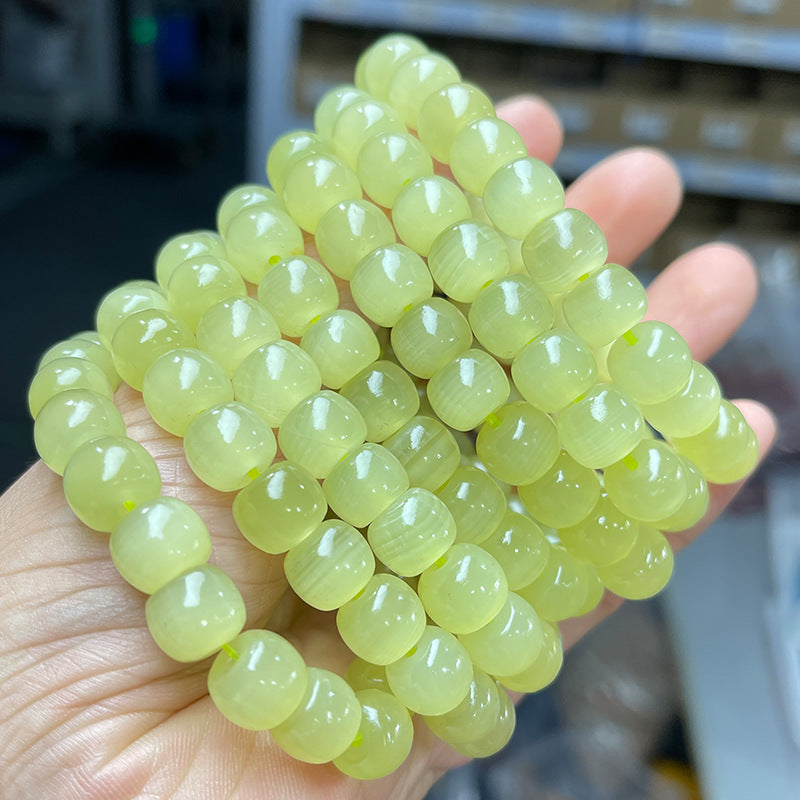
[{"x": 536, "y": 122}]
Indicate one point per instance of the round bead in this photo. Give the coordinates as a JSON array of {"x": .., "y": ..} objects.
[
  {"x": 262, "y": 684},
  {"x": 362, "y": 675},
  {"x": 415, "y": 79},
  {"x": 93, "y": 336},
  {"x": 695, "y": 505},
  {"x": 594, "y": 593},
  {"x": 66, "y": 373},
  {"x": 497, "y": 737},
  {"x": 330, "y": 106},
  {"x": 157, "y": 541},
  {"x": 358, "y": 122},
  {"x": 248, "y": 194},
  {"x": 560, "y": 589},
  {"x": 183, "y": 246},
  {"x": 123, "y": 301},
  {"x": 288, "y": 150},
  {"x": 380, "y": 62},
  {"x": 87, "y": 350},
  {"x": 646, "y": 569},
  {"x": 544, "y": 669},
  {"x": 475, "y": 501},
  {"x": 520, "y": 547}
]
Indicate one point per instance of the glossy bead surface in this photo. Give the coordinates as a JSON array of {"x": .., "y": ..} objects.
[
  {"x": 415, "y": 79},
  {"x": 694, "y": 507},
  {"x": 362, "y": 675},
  {"x": 123, "y": 301},
  {"x": 85, "y": 349},
  {"x": 66, "y": 373},
  {"x": 380, "y": 62},
  {"x": 330, "y": 106},
  {"x": 476, "y": 502},
  {"x": 288, "y": 150},
  {"x": 247, "y": 194},
  {"x": 183, "y": 246},
  {"x": 544, "y": 669},
  {"x": 387, "y": 162},
  {"x": 560, "y": 589},
  {"x": 520, "y": 547},
  {"x": 646, "y": 569},
  {"x": 358, "y": 122}
]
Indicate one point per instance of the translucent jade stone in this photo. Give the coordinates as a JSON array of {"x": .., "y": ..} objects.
[
  {"x": 330, "y": 566},
  {"x": 413, "y": 532},
  {"x": 331, "y": 105},
  {"x": 350, "y": 230},
  {"x": 314, "y": 185},
  {"x": 561, "y": 588},
  {"x": 232, "y": 329},
  {"x": 279, "y": 508},
  {"x": 464, "y": 589},
  {"x": 520, "y": 547},
  {"x": 520, "y": 194},
  {"x": 93, "y": 336},
  {"x": 288, "y": 150},
  {"x": 183, "y": 246},
  {"x": 157, "y": 541},
  {"x": 384, "y": 738},
  {"x": 594, "y": 591},
  {"x": 386, "y": 397},
  {"x": 358, "y": 122},
  {"x": 274, "y": 378},
  {"x": 694, "y": 507},
  {"x": 604, "y": 305},
  {"x": 544, "y": 669},
  {"x": 651, "y": 362},
  {"x": 601, "y": 428},
  {"x": 603, "y": 536},
  {"x": 123, "y": 301},
  {"x": 383, "y": 622},
  {"x": 475, "y": 501},
  {"x": 467, "y": 389},
  {"x": 228, "y": 445},
  {"x": 341, "y": 343},
  {"x": 429, "y": 335},
  {"x": 415, "y": 79},
  {"x": 70, "y": 418},
  {"x": 445, "y": 112},
  {"x": 66, "y": 373},
  {"x": 387, "y": 162},
  {"x": 564, "y": 495},
  {"x": 258, "y": 680},
  {"x": 85, "y": 349},
  {"x": 362, "y": 675},
  {"x": 646, "y": 569},
  {"x": 424, "y": 208},
  {"x": 518, "y": 443},
  {"x": 465, "y": 257},
  {"x": 562, "y": 248},
  {"x": 180, "y": 385},
  {"x": 726, "y": 451},
  {"x": 324, "y": 724},
  {"x": 649, "y": 483},
  {"x": 320, "y": 430},
  {"x": 296, "y": 291},
  {"x": 554, "y": 369},
  {"x": 144, "y": 336},
  {"x": 427, "y": 450},
  {"x": 106, "y": 477},
  {"x": 434, "y": 676},
  {"x": 509, "y": 313},
  {"x": 378, "y": 65},
  {"x": 260, "y": 236},
  {"x": 480, "y": 149},
  {"x": 247, "y": 194}
]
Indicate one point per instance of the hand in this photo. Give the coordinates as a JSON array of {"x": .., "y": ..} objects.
[{"x": 91, "y": 709}]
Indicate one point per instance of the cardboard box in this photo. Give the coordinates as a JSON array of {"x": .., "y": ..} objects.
[
  {"x": 648, "y": 122},
  {"x": 726, "y": 130}
]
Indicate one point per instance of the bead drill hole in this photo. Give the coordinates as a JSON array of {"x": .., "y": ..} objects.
[
  {"x": 228, "y": 650},
  {"x": 411, "y": 652},
  {"x": 630, "y": 338},
  {"x": 129, "y": 505},
  {"x": 273, "y": 260},
  {"x": 358, "y": 741},
  {"x": 630, "y": 462}
]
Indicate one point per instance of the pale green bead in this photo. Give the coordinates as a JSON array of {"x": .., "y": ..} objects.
[
  {"x": 726, "y": 451},
  {"x": 180, "y": 385},
  {"x": 544, "y": 669},
  {"x": 287, "y": 151},
  {"x": 465, "y": 257},
  {"x": 413, "y": 532},
  {"x": 106, "y": 477},
  {"x": 274, "y": 378},
  {"x": 364, "y": 484},
  {"x": 497, "y": 737},
  {"x": 554, "y": 369},
  {"x": 384, "y": 622},
  {"x": 467, "y": 389},
  {"x": 562, "y": 248},
  {"x": 649, "y": 483},
  {"x": 144, "y": 336},
  {"x": 520, "y": 194},
  {"x": 509, "y": 313},
  {"x": 518, "y": 444},
  {"x": 228, "y": 445},
  {"x": 183, "y": 246},
  {"x": 651, "y": 362},
  {"x": 604, "y": 305},
  {"x": 595, "y": 592},
  {"x": 358, "y": 122},
  {"x": 70, "y": 418},
  {"x": 691, "y": 410},
  {"x": 383, "y": 741},
  {"x": 248, "y": 194},
  {"x": 387, "y": 162},
  {"x": 381, "y": 61},
  {"x": 601, "y": 428},
  {"x": 429, "y": 335},
  {"x": 350, "y": 230},
  {"x": 232, "y": 329},
  {"x": 427, "y": 450},
  {"x": 645, "y": 571},
  {"x": 520, "y": 547},
  {"x": 476, "y": 502},
  {"x": 123, "y": 301},
  {"x": 434, "y": 676},
  {"x": 157, "y": 541},
  {"x": 445, "y": 112},
  {"x": 66, "y": 373},
  {"x": 193, "y": 615},
  {"x": 560, "y": 589},
  {"x": 316, "y": 184},
  {"x": 415, "y": 79},
  {"x": 330, "y": 106},
  {"x": 330, "y": 566},
  {"x": 480, "y": 149},
  {"x": 695, "y": 505},
  {"x": 296, "y": 291},
  {"x": 325, "y": 723},
  {"x": 320, "y": 430},
  {"x": 85, "y": 349},
  {"x": 362, "y": 675},
  {"x": 424, "y": 208},
  {"x": 94, "y": 336},
  {"x": 387, "y": 281},
  {"x": 279, "y": 508},
  {"x": 260, "y": 236},
  {"x": 258, "y": 681},
  {"x": 341, "y": 344}
]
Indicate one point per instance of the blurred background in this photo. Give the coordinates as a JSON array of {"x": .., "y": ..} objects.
[{"x": 122, "y": 124}]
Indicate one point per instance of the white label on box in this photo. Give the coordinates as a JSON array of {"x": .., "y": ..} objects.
[
  {"x": 575, "y": 117},
  {"x": 763, "y": 7},
  {"x": 646, "y": 124},
  {"x": 724, "y": 132}
]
